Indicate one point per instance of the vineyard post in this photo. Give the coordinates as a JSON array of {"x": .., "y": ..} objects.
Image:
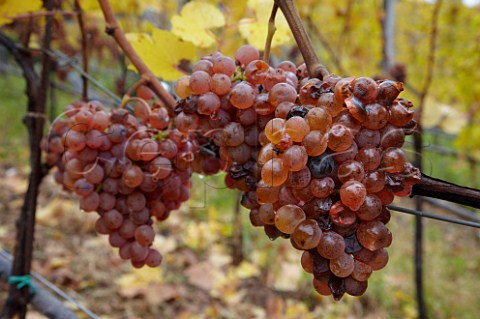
[
  {"x": 37, "y": 92},
  {"x": 388, "y": 30},
  {"x": 418, "y": 147}
]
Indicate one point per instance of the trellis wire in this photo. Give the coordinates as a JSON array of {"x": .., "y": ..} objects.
[
  {"x": 433, "y": 216},
  {"x": 59, "y": 56},
  {"x": 54, "y": 288}
]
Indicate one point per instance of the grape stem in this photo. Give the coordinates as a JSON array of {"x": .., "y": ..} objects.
[
  {"x": 436, "y": 188},
  {"x": 314, "y": 67},
  {"x": 114, "y": 30},
  {"x": 271, "y": 31},
  {"x": 135, "y": 86}
]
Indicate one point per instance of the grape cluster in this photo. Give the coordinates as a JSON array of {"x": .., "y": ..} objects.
[
  {"x": 129, "y": 168},
  {"x": 317, "y": 160}
]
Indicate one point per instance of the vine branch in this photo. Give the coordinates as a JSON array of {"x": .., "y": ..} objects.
[
  {"x": 114, "y": 30},
  {"x": 34, "y": 120},
  {"x": 83, "y": 33},
  {"x": 437, "y": 188},
  {"x": 314, "y": 67}
]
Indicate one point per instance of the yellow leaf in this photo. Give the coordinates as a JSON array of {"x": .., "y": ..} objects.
[
  {"x": 126, "y": 6},
  {"x": 195, "y": 22},
  {"x": 444, "y": 116},
  {"x": 246, "y": 270},
  {"x": 11, "y": 8},
  {"x": 255, "y": 29},
  {"x": 138, "y": 280},
  {"x": 162, "y": 52}
]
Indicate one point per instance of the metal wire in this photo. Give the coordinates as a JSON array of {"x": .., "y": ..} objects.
[
  {"x": 59, "y": 56},
  {"x": 54, "y": 288},
  {"x": 433, "y": 216}
]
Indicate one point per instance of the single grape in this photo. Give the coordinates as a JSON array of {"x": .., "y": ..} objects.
[
  {"x": 374, "y": 181},
  {"x": 266, "y": 213},
  {"x": 323, "y": 165},
  {"x": 361, "y": 271},
  {"x": 224, "y": 64},
  {"x": 388, "y": 92},
  {"x": 307, "y": 234},
  {"x": 365, "y": 90},
  {"x": 136, "y": 201},
  {"x": 274, "y": 173},
  {"x": 200, "y": 82},
  {"x": 392, "y": 136},
  {"x": 221, "y": 84},
  {"x": 154, "y": 258},
  {"x": 266, "y": 193},
  {"x": 138, "y": 252},
  {"x": 354, "y": 287},
  {"x": 182, "y": 87},
  {"x": 113, "y": 219},
  {"x": 256, "y": 72},
  {"x": 346, "y": 119},
  {"x": 186, "y": 123},
  {"x": 342, "y": 266},
  {"x": 366, "y": 137},
  {"x": 321, "y": 287},
  {"x": 331, "y": 245},
  {"x": 203, "y": 65},
  {"x": 315, "y": 143},
  {"x": 274, "y": 130},
  {"x": 319, "y": 118},
  {"x": 341, "y": 215},
  {"x": 246, "y": 54},
  {"x": 351, "y": 170},
  {"x": 380, "y": 260},
  {"x": 208, "y": 103},
  {"x": 307, "y": 262},
  {"x": 144, "y": 235},
  {"x": 295, "y": 158},
  {"x": 352, "y": 194},
  {"x": 90, "y": 202},
  {"x": 339, "y": 138},
  {"x": 288, "y": 217},
  {"x": 370, "y": 209},
  {"x": 376, "y": 116},
  {"x": 281, "y": 92},
  {"x": 299, "y": 180},
  {"x": 370, "y": 157},
  {"x": 116, "y": 240},
  {"x": 322, "y": 187},
  {"x": 393, "y": 160},
  {"x": 372, "y": 235},
  {"x": 385, "y": 196},
  {"x": 83, "y": 188},
  {"x": 132, "y": 176},
  {"x": 297, "y": 128}
]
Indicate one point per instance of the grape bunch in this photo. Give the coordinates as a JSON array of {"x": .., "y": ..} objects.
[
  {"x": 129, "y": 168},
  {"x": 317, "y": 160}
]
